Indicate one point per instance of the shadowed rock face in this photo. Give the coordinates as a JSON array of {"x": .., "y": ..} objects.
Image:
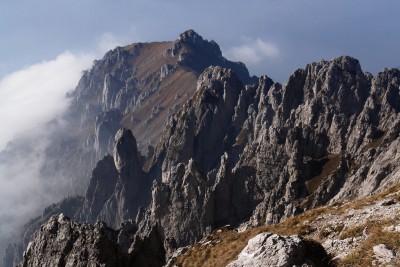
[
  {"x": 101, "y": 188},
  {"x": 120, "y": 192},
  {"x": 254, "y": 154},
  {"x": 62, "y": 242}
]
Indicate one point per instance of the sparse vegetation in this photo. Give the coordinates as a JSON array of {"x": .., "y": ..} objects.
[
  {"x": 224, "y": 245},
  {"x": 330, "y": 229},
  {"x": 354, "y": 231},
  {"x": 363, "y": 255}
]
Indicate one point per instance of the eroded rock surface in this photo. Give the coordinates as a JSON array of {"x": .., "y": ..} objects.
[
  {"x": 62, "y": 242},
  {"x": 272, "y": 250}
]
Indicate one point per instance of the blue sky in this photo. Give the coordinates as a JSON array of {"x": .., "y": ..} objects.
[{"x": 296, "y": 32}]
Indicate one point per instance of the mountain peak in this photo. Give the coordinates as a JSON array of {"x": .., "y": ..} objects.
[
  {"x": 193, "y": 40},
  {"x": 190, "y": 36},
  {"x": 347, "y": 63}
]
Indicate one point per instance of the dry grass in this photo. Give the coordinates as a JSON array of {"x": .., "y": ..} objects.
[
  {"x": 180, "y": 82},
  {"x": 328, "y": 230},
  {"x": 358, "y": 204},
  {"x": 369, "y": 227},
  {"x": 219, "y": 249},
  {"x": 354, "y": 231},
  {"x": 226, "y": 244},
  {"x": 363, "y": 255}
]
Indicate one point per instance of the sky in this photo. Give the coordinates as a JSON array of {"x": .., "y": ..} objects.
[
  {"x": 272, "y": 37},
  {"x": 45, "y": 45}
]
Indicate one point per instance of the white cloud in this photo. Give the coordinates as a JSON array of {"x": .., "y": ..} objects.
[
  {"x": 36, "y": 94},
  {"x": 253, "y": 51}
]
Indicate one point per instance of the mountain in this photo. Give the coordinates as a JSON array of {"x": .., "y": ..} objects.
[
  {"x": 136, "y": 86},
  {"x": 236, "y": 150}
]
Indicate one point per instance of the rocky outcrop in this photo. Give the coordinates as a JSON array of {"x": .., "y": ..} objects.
[
  {"x": 62, "y": 242},
  {"x": 268, "y": 249},
  {"x": 129, "y": 187},
  {"x": 194, "y": 183},
  {"x": 198, "y": 54},
  {"x": 13, "y": 253}
]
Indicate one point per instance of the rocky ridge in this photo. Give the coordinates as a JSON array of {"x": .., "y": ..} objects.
[
  {"x": 62, "y": 242},
  {"x": 325, "y": 124},
  {"x": 250, "y": 154}
]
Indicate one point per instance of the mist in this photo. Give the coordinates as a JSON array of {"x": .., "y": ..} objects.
[{"x": 32, "y": 101}]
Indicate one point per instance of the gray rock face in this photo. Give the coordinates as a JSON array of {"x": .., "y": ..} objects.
[
  {"x": 126, "y": 156},
  {"x": 132, "y": 188},
  {"x": 261, "y": 153},
  {"x": 62, "y": 242},
  {"x": 272, "y": 250},
  {"x": 107, "y": 124},
  {"x": 200, "y": 54},
  {"x": 120, "y": 90},
  {"x": 101, "y": 187},
  {"x": 15, "y": 251},
  {"x": 194, "y": 184}
]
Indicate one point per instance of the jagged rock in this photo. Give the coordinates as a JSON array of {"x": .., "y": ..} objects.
[
  {"x": 200, "y": 54},
  {"x": 125, "y": 151},
  {"x": 270, "y": 151},
  {"x": 14, "y": 252},
  {"x": 268, "y": 249},
  {"x": 132, "y": 188},
  {"x": 62, "y": 242},
  {"x": 149, "y": 250}
]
